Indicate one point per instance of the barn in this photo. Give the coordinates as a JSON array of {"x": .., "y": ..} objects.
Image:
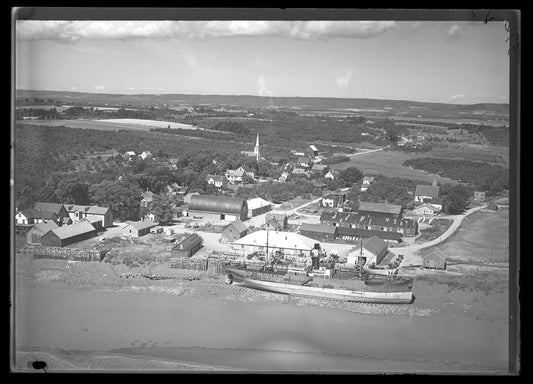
[
  {"x": 68, "y": 234},
  {"x": 234, "y": 231},
  {"x": 34, "y": 235},
  {"x": 258, "y": 206},
  {"x": 318, "y": 231},
  {"x": 218, "y": 208},
  {"x": 372, "y": 250},
  {"x": 188, "y": 246},
  {"x": 434, "y": 260}
]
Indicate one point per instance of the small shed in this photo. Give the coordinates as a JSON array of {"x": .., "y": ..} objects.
[
  {"x": 234, "y": 231},
  {"x": 434, "y": 260},
  {"x": 188, "y": 246},
  {"x": 140, "y": 228}
]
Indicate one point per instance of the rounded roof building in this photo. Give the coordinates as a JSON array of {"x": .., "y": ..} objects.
[{"x": 219, "y": 204}]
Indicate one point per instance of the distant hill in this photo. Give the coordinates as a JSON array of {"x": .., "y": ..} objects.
[{"x": 340, "y": 105}]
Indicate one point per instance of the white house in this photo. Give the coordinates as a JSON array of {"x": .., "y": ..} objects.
[
  {"x": 236, "y": 176},
  {"x": 146, "y": 154},
  {"x": 329, "y": 175},
  {"x": 129, "y": 154},
  {"x": 367, "y": 180},
  {"x": 218, "y": 181}
]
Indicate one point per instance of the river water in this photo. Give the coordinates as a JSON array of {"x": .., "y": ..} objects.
[{"x": 248, "y": 336}]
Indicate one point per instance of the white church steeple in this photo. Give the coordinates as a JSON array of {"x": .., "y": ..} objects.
[{"x": 256, "y": 148}]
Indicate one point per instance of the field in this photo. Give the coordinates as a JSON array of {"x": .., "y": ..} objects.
[
  {"x": 389, "y": 163},
  {"x": 111, "y": 124}
]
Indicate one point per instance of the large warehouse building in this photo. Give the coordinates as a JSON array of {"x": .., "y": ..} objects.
[
  {"x": 287, "y": 242},
  {"x": 218, "y": 208}
]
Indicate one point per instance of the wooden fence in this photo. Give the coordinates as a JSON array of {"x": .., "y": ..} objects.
[
  {"x": 209, "y": 264},
  {"x": 76, "y": 254}
]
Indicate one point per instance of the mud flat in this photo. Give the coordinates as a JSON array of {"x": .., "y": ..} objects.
[{"x": 251, "y": 336}]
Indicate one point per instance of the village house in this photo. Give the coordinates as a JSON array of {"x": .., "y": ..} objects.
[
  {"x": 372, "y": 251},
  {"x": 427, "y": 193},
  {"x": 174, "y": 189},
  {"x": 304, "y": 162},
  {"x": 335, "y": 199},
  {"x": 32, "y": 216},
  {"x": 314, "y": 150},
  {"x": 288, "y": 243},
  {"x": 367, "y": 180},
  {"x": 433, "y": 259},
  {"x": 319, "y": 231},
  {"x": 426, "y": 210},
  {"x": 188, "y": 246},
  {"x": 58, "y": 209},
  {"x": 283, "y": 177},
  {"x": 139, "y": 228},
  {"x": 219, "y": 181},
  {"x": 147, "y": 199},
  {"x": 479, "y": 196},
  {"x": 281, "y": 218},
  {"x": 236, "y": 176},
  {"x": 68, "y": 234},
  {"x": 218, "y": 207},
  {"x": 319, "y": 168},
  {"x": 329, "y": 175},
  {"x": 96, "y": 222},
  {"x": 234, "y": 231},
  {"x": 146, "y": 155},
  {"x": 80, "y": 212},
  {"x": 129, "y": 155},
  {"x": 257, "y": 206},
  {"x": 319, "y": 185},
  {"x": 300, "y": 171},
  {"x": 272, "y": 225},
  {"x": 34, "y": 235}
]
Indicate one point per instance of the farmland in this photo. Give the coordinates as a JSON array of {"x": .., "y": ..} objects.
[
  {"x": 112, "y": 124},
  {"x": 389, "y": 163}
]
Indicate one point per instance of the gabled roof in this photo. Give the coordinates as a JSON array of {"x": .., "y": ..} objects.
[
  {"x": 238, "y": 225},
  {"x": 313, "y": 148},
  {"x": 435, "y": 252},
  {"x": 89, "y": 209},
  {"x": 380, "y": 207},
  {"x": 319, "y": 228},
  {"x": 43, "y": 228},
  {"x": 32, "y": 213},
  {"x": 143, "y": 224},
  {"x": 148, "y": 195},
  {"x": 366, "y": 233},
  {"x": 257, "y": 202},
  {"x": 75, "y": 229},
  {"x": 368, "y": 179},
  {"x": 272, "y": 223},
  {"x": 50, "y": 207},
  {"x": 426, "y": 205},
  {"x": 318, "y": 184},
  {"x": 427, "y": 190},
  {"x": 319, "y": 167},
  {"x": 220, "y": 178},
  {"x": 277, "y": 239}
]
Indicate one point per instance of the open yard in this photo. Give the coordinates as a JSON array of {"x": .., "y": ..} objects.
[{"x": 432, "y": 231}]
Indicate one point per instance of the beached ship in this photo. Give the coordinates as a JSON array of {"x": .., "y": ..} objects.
[{"x": 322, "y": 283}]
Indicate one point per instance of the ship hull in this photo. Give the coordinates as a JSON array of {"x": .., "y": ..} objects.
[{"x": 402, "y": 297}]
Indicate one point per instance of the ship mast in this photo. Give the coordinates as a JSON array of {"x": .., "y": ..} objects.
[{"x": 266, "y": 258}]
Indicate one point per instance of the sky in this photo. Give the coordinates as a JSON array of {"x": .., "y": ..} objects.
[{"x": 431, "y": 61}]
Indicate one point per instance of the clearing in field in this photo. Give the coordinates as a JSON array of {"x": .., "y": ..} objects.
[
  {"x": 112, "y": 124},
  {"x": 149, "y": 123}
]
